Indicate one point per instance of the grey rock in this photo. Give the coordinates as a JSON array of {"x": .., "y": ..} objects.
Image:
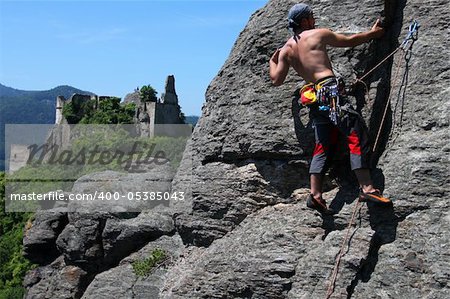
[
  {"x": 120, "y": 237},
  {"x": 224, "y": 194},
  {"x": 94, "y": 236},
  {"x": 403, "y": 249},
  {"x": 39, "y": 240},
  {"x": 124, "y": 190},
  {"x": 56, "y": 280},
  {"x": 270, "y": 254},
  {"x": 122, "y": 282},
  {"x": 80, "y": 241}
]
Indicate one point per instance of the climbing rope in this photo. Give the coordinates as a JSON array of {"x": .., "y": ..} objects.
[
  {"x": 406, "y": 46},
  {"x": 413, "y": 35},
  {"x": 341, "y": 251}
]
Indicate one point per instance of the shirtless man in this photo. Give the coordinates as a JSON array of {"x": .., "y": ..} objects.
[{"x": 306, "y": 52}]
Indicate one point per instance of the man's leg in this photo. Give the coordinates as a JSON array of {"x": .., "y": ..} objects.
[
  {"x": 316, "y": 185},
  {"x": 359, "y": 153},
  {"x": 368, "y": 192},
  {"x": 325, "y": 136},
  {"x": 315, "y": 200},
  {"x": 364, "y": 180},
  {"x": 320, "y": 157}
]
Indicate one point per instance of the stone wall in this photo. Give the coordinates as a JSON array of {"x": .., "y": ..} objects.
[{"x": 18, "y": 157}]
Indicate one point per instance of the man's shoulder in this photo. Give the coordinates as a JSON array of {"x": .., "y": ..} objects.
[{"x": 321, "y": 31}]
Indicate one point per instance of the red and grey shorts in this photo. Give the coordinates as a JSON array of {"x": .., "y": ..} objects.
[{"x": 327, "y": 135}]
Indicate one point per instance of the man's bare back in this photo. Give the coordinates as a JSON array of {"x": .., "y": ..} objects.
[{"x": 307, "y": 53}]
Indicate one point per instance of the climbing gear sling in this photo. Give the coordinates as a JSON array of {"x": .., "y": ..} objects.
[{"x": 327, "y": 94}]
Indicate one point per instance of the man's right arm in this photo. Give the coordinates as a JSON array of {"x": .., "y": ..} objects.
[{"x": 340, "y": 40}]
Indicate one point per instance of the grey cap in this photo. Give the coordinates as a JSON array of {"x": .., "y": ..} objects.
[{"x": 298, "y": 12}]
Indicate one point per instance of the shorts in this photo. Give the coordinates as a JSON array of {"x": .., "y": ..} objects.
[{"x": 351, "y": 126}]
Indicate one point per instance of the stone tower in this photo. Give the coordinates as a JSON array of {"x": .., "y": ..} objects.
[
  {"x": 60, "y": 100},
  {"x": 169, "y": 96}
]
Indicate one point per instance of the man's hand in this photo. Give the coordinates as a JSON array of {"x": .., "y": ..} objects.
[{"x": 377, "y": 30}]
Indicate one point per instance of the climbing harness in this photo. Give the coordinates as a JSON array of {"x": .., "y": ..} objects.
[
  {"x": 327, "y": 95},
  {"x": 406, "y": 46}
]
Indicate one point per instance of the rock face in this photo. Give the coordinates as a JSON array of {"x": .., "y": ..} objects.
[
  {"x": 130, "y": 285},
  {"x": 254, "y": 134},
  {"x": 244, "y": 231},
  {"x": 72, "y": 248}
]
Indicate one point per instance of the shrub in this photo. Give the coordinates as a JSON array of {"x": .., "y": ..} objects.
[
  {"x": 13, "y": 265},
  {"x": 144, "y": 267},
  {"x": 109, "y": 111}
]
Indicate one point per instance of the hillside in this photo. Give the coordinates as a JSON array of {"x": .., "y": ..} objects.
[
  {"x": 29, "y": 107},
  {"x": 40, "y": 95},
  {"x": 191, "y": 119}
]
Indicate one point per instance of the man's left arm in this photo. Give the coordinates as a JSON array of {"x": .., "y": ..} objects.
[{"x": 278, "y": 67}]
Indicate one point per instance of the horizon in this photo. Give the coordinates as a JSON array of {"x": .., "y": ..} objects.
[{"x": 46, "y": 44}]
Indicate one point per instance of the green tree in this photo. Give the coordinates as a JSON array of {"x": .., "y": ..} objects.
[
  {"x": 13, "y": 265},
  {"x": 148, "y": 94},
  {"x": 182, "y": 118},
  {"x": 107, "y": 111}
]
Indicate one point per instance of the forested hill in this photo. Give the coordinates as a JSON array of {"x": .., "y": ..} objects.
[{"x": 29, "y": 107}]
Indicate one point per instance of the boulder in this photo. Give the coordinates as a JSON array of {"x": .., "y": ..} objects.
[
  {"x": 56, "y": 280},
  {"x": 246, "y": 122},
  {"x": 122, "y": 282},
  {"x": 39, "y": 240}
]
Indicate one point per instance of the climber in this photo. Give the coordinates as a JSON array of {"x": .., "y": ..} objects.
[{"x": 306, "y": 53}]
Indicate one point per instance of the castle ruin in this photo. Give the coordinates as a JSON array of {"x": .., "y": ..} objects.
[{"x": 164, "y": 110}]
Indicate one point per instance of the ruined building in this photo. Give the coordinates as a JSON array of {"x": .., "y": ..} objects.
[{"x": 165, "y": 110}]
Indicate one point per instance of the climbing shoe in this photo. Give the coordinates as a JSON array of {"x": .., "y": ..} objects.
[
  {"x": 318, "y": 205},
  {"x": 374, "y": 197}
]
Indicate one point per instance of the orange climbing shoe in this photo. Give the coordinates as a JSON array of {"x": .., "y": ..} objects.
[
  {"x": 318, "y": 205},
  {"x": 374, "y": 197}
]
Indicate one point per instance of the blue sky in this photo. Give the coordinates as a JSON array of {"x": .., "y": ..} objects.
[{"x": 112, "y": 47}]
